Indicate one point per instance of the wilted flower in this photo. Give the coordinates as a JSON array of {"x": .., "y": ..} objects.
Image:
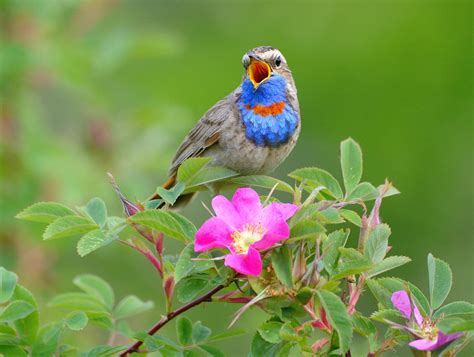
[
  {"x": 431, "y": 338},
  {"x": 244, "y": 227}
]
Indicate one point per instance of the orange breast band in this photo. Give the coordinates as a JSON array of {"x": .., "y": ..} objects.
[{"x": 272, "y": 109}]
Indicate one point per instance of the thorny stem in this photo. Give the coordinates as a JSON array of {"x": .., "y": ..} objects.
[
  {"x": 355, "y": 295},
  {"x": 171, "y": 315}
]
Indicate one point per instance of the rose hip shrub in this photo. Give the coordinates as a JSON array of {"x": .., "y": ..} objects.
[{"x": 305, "y": 260}]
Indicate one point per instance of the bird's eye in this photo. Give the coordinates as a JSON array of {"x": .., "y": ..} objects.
[
  {"x": 278, "y": 62},
  {"x": 245, "y": 60}
]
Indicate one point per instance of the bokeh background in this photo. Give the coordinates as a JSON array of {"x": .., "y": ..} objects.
[{"x": 94, "y": 86}]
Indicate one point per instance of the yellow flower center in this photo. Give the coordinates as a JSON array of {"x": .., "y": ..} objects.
[
  {"x": 243, "y": 238},
  {"x": 429, "y": 330}
]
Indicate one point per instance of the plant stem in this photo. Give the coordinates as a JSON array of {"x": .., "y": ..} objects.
[{"x": 170, "y": 316}]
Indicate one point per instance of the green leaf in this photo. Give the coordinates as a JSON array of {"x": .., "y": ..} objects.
[
  {"x": 261, "y": 181},
  {"x": 200, "y": 332},
  {"x": 78, "y": 301},
  {"x": 169, "y": 223},
  {"x": 453, "y": 309},
  {"x": 351, "y": 216},
  {"x": 68, "y": 226},
  {"x": 48, "y": 340},
  {"x": 16, "y": 310},
  {"x": 351, "y": 267},
  {"x": 105, "y": 351},
  {"x": 170, "y": 196},
  {"x": 304, "y": 295},
  {"x": 184, "y": 265},
  {"x": 12, "y": 351},
  {"x": 338, "y": 317},
  {"x": 305, "y": 229},
  {"x": 226, "y": 334},
  {"x": 190, "y": 288},
  {"x": 456, "y": 324},
  {"x": 288, "y": 333},
  {"x": 212, "y": 351},
  {"x": 8, "y": 282},
  {"x": 184, "y": 330},
  {"x": 270, "y": 331},
  {"x": 331, "y": 246},
  {"x": 96, "y": 287},
  {"x": 45, "y": 212},
  {"x": 28, "y": 326},
  {"x": 387, "y": 315},
  {"x": 94, "y": 240},
  {"x": 362, "y": 325},
  {"x": 131, "y": 305},
  {"x": 440, "y": 280},
  {"x": 207, "y": 175},
  {"x": 96, "y": 210},
  {"x": 76, "y": 320},
  {"x": 364, "y": 191},
  {"x": 376, "y": 245},
  {"x": 330, "y": 216},
  {"x": 281, "y": 261},
  {"x": 316, "y": 177},
  {"x": 388, "y": 264},
  {"x": 191, "y": 167},
  {"x": 351, "y": 163},
  {"x": 260, "y": 347}
]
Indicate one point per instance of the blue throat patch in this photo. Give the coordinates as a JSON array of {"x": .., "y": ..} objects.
[{"x": 268, "y": 117}]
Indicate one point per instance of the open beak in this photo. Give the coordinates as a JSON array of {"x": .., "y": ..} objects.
[{"x": 258, "y": 72}]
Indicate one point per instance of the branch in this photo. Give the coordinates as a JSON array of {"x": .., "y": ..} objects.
[{"x": 165, "y": 319}]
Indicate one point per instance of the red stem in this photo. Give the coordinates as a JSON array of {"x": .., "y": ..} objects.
[{"x": 165, "y": 319}]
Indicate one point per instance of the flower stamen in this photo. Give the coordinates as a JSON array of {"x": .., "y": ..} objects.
[{"x": 244, "y": 237}]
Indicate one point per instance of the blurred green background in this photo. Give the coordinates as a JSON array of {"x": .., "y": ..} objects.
[{"x": 94, "y": 86}]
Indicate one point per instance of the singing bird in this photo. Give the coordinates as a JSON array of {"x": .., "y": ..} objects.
[{"x": 254, "y": 128}]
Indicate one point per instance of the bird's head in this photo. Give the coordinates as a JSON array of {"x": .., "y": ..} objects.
[{"x": 262, "y": 62}]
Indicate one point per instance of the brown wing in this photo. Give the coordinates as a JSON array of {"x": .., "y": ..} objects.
[{"x": 206, "y": 132}]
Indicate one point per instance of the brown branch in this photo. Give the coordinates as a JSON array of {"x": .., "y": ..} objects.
[{"x": 170, "y": 316}]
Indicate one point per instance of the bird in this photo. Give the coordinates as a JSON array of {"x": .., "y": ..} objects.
[{"x": 254, "y": 128}]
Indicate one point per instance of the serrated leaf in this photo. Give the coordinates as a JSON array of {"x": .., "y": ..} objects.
[
  {"x": 105, "y": 351},
  {"x": 364, "y": 191},
  {"x": 288, "y": 333},
  {"x": 456, "y": 324},
  {"x": 305, "y": 229},
  {"x": 8, "y": 282},
  {"x": 170, "y": 196},
  {"x": 351, "y": 163},
  {"x": 351, "y": 216},
  {"x": 387, "y": 264},
  {"x": 362, "y": 325},
  {"x": 200, "y": 332},
  {"x": 440, "y": 280},
  {"x": 16, "y": 310},
  {"x": 331, "y": 246},
  {"x": 351, "y": 267},
  {"x": 260, "y": 347},
  {"x": 190, "y": 167},
  {"x": 169, "y": 223},
  {"x": 207, "y": 175},
  {"x": 387, "y": 315},
  {"x": 281, "y": 261},
  {"x": 270, "y": 331},
  {"x": 330, "y": 216},
  {"x": 94, "y": 240},
  {"x": 190, "y": 288},
  {"x": 316, "y": 177},
  {"x": 68, "y": 226},
  {"x": 27, "y": 327},
  {"x": 96, "y": 210},
  {"x": 184, "y": 265},
  {"x": 261, "y": 181},
  {"x": 76, "y": 320},
  {"x": 184, "y": 330},
  {"x": 131, "y": 305},
  {"x": 226, "y": 334},
  {"x": 376, "y": 245},
  {"x": 78, "y": 301},
  {"x": 338, "y": 317},
  {"x": 212, "y": 351},
  {"x": 96, "y": 287},
  {"x": 45, "y": 212},
  {"x": 453, "y": 309}
]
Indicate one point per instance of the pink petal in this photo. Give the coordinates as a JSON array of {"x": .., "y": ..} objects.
[
  {"x": 401, "y": 301},
  {"x": 214, "y": 233},
  {"x": 418, "y": 317},
  {"x": 247, "y": 202},
  {"x": 287, "y": 210},
  {"x": 444, "y": 339},
  {"x": 226, "y": 211},
  {"x": 247, "y": 264},
  {"x": 275, "y": 233},
  {"x": 273, "y": 219},
  {"x": 423, "y": 345}
]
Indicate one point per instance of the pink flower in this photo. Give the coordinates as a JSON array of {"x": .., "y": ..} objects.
[
  {"x": 244, "y": 227},
  {"x": 431, "y": 338}
]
